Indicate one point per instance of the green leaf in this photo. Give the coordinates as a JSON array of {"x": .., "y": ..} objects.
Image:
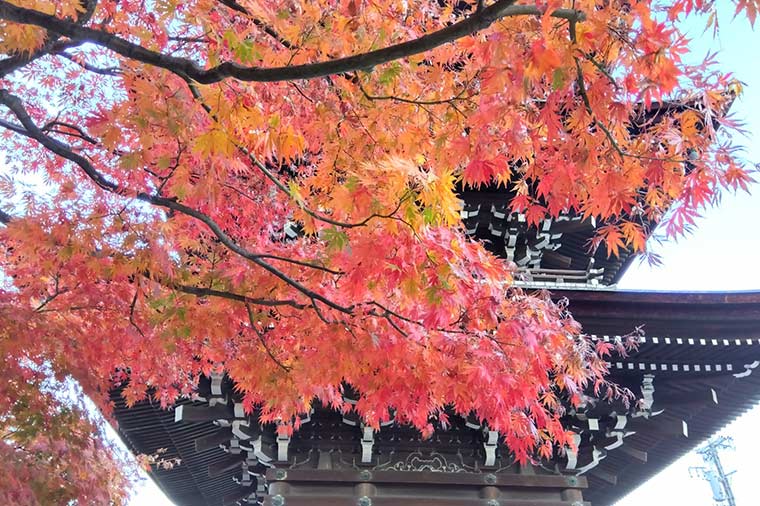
[
  {"x": 352, "y": 183},
  {"x": 432, "y": 294},
  {"x": 129, "y": 161},
  {"x": 336, "y": 240},
  {"x": 295, "y": 192},
  {"x": 558, "y": 79},
  {"x": 247, "y": 52},
  {"x": 390, "y": 73},
  {"x": 429, "y": 215}
]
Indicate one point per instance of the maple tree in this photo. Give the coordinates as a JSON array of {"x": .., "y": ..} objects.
[{"x": 270, "y": 189}]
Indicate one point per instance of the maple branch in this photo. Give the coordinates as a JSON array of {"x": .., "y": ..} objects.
[
  {"x": 584, "y": 95},
  {"x": 15, "y": 62},
  {"x": 587, "y": 103},
  {"x": 232, "y": 4},
  {"x": 580, "y": 81},
  {"x": 190, "y": 39},
  {"x": 132, "y": 312},
  {"x": 13, "y": 128},
  {"x": 210, "y": 292},
  {"x": 50, "y": 298},
  {"x": 389, "y": 312},
  {"x": 393, "y": 324},
  {"x": 319, "y": 314},
  {"x": 80, "y": 133},
  {"x": 183, "y": 66},
  {"x": 64, "y": 151},
  {"x": 50, "y": 44},
  {"x": 301, "y": 263},
  {"x": 110, "y": 71},
  {"x": 239, "y": 250},
  {"x": 280, "y": 185},
  {"x": 387, "y": 315},
  {"x": 500, "y": 343},
  {"x": 262, "y": 341},
  {"x": 532, "y": 10},
  {"x": 414, "y": 101},
  {"x": 165, "y": 179},
  {"x": 603, "y": 70},
  {"x": 198, "y": 291}
]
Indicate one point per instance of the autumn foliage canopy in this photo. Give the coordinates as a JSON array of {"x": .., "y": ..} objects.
[{"x": 270, "y": 188}]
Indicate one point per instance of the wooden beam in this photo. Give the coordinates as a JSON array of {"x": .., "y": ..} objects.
[
  {"x": 706, "y": 396},
  {"x": 225, "y": 465},
  {"x": 213, "y": 440},
  {"x": 660, "y": 425},
  {"x": 632, "y": 452},
  {"x": 604, "y": 475},
  {"x": 335, "y": 500},
  {"x": 563, "y": 260},
  {"x": 431, "y": 478},
  {"x": 294, "y": 487},
  {"x": 190, "y": 413},
  {"x": 233, "y": 498}
]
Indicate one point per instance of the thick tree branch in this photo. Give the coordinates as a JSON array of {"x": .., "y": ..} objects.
[
  {"x": 476, "y": 22},
  {"x": 232, "y": 4},
  {"x": 80, "y": 133},
  {"x": 532, "y": 10},
  {"x": 51, "y": 44},
  {"x": 13, "y": 127}
]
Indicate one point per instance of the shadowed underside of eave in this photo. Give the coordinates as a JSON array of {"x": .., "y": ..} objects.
[{"x": 699, "y": 347}]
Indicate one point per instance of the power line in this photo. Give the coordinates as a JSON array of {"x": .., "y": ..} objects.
[{"x": 713, "y": 472}]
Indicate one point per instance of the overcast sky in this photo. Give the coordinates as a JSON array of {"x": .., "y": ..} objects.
[{"x": 723, "y": 254}]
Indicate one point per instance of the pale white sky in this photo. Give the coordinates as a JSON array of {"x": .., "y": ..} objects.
[{"x": 723, "y": 254}]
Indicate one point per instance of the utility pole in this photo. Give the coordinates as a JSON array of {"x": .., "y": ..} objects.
[{"x": 713, "y": 471}]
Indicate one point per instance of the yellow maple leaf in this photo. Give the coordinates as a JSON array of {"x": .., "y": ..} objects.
[{"x": 212, "y": 143}]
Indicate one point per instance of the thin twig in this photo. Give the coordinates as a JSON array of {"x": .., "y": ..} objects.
[
  {"x": 109, "y": 71},
  {"x": 414, "y": 101},
  {"x": 50, "y": 298},
  {"x": 132, "y": 311},
  {"x": 599, "y": 124},
  {"x": 252, "y": 321},
  {"x": 64, "y": 151},
  {"x": 200, "y": 291},
  {"x": 282, "y": 187}
]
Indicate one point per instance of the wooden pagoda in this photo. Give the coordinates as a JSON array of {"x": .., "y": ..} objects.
[{"x": 693, "y": 372}]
